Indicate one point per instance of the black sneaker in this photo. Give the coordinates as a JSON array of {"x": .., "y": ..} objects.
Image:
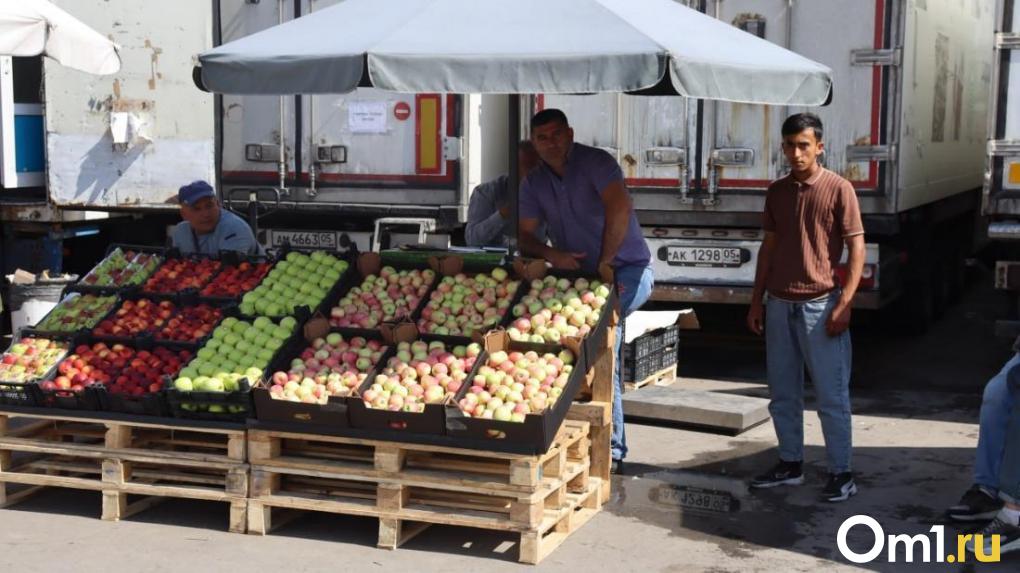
[
  {"x": 840, "y": 487},
  {"x": 783, "y": 473},
  {"x": 617, "y": 467},
  {"x": 978, "y": 504},
  {"x": 1009, "y": 536}
]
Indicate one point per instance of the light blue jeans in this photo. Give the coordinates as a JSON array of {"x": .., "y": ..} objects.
[
  {"x": 996, "y": 408},
  {"x": 1009, "y": 474},
  {"x": 795, "y": 337},
  {"x": 634, "y": 286}
]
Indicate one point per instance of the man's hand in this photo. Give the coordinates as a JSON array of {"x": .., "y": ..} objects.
[
  {"x": 839, "y": 320},
  {"x": 756, "y": 318},
  {"x": 504, "y": 211},
  {"x": 565, "y": 261}
]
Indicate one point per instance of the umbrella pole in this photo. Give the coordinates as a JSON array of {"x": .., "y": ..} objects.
[{"x": 514, "y": 136}]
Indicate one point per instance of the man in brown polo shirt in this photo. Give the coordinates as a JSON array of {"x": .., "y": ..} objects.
[{"x": 803, "y": 310}]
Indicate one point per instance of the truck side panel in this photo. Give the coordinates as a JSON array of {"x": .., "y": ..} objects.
[
  {"x": 169, "y": 129},
  {"x": 946, "y": 77}
]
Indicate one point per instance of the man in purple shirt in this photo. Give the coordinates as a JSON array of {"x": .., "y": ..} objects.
[{"x": 578, "y": 192}]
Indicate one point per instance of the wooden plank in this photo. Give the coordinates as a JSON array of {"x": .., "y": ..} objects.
[
  {"x": 392, "y": 497},
  {"x": 395, "y": 532},
  {"x": 49, "y": 415},
  {"x": 52, "y": 481},
  {"x": 390, "y": 458},
  {"x": 664, "y": 377},
  {"x": 238, "y": 520},
  {"x": 184, "y": 459},
  {"x": 595, "y": 413},
  {"x": 413, "y": 477}
]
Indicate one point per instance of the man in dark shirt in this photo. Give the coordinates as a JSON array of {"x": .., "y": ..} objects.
[
  {"x": 579, "y": 193},
  {"x": 809, "y": 216},
  {"x": 489, "y": 222}
]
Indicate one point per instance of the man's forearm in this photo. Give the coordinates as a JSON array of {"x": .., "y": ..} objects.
[
  {"x": 488, "y": 231},
  {"x": 855, "y": 264},
  {"x": 531, "y": 246},
  {"x": 614, "y": 233},
  {"x": 761, "y": 272}
]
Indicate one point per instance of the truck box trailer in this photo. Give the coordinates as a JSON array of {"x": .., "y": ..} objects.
[
  {"x": 905, "y": 125},
  {"x": 1001, "y": 198}
]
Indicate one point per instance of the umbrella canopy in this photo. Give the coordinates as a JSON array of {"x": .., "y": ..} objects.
[
  {"x": 33, "y": 27},
  {"x": 515, "y": 46}
]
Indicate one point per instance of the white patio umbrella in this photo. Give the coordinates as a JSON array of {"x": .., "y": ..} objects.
[
  {"x": 33, "y": 27},
  {"x": 515, "y": 46}
]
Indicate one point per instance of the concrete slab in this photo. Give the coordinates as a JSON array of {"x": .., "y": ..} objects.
[{"x": 728, "y": 412}]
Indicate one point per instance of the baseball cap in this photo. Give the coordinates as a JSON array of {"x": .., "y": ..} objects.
[{"x": 192, "y": 192}]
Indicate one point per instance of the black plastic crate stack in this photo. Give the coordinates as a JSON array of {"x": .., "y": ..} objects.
[{"x": 650, "y": 353}]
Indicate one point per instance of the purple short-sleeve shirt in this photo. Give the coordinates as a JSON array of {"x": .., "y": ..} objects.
[{"x": 572, "y": 207}]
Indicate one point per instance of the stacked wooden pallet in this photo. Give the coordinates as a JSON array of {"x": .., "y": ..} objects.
[
  {"x": 121, "y": 458},
  {"x": 409, "y": 487}
]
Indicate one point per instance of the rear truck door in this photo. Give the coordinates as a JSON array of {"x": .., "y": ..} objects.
[{"x": 128, "y": 141}]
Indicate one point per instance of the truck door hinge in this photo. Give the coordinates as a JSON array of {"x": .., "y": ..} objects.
[
  {"x": 873, "y": 57},
  {"x": 863, "y": 153}
]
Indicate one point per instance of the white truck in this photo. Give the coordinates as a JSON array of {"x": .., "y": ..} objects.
[
  {"x": 1002, "y": 175},
  {"x": 905, "y": 125}
]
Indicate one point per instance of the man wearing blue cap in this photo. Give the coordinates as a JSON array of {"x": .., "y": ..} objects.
[{"x": 207, "y": 229}]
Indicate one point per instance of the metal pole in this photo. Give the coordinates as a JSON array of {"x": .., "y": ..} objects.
[{"x": 514, "y": 137}]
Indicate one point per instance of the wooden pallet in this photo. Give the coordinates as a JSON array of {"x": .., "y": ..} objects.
[
  {"x": 664, "y": 377},
  {"x": 122, "y": 458},
  {"x": 409, "y": 487}
]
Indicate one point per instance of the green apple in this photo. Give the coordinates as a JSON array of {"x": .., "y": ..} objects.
[
  {"x": 274, "y": 309},
  {"x": 240, "y": 326},
  {"x": 253, "y": 374},
  {"x": 231, "y": 339},
  {"x": 247, "y": 308},
  {"x": 281, "y": 333},
  {"x": 289, "y": 323},
  {"x": 229, "y": 321},
  {"x": 265, "y": 355},
  {"x": 184, "y": 384}
]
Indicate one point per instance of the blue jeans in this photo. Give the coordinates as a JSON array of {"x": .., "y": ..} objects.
[
  {"x": 634, "y": 286},
  {"x": 996, "y": 408},
  {"x": 795, "y": 337},
  {"x": 1009, "y": 474}
]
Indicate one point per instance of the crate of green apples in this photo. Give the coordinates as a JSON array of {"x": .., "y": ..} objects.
[
  {"x": 216, "y": 384},
  {"x": 298, "y": 280}
]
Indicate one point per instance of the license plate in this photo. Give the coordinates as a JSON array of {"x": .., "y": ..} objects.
[
  {"x": 705, "y": 256},
  {"x": 306, "y": 239},
  {"x": 694, "y": 498}
]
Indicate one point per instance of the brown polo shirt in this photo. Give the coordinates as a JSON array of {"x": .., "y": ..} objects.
[{"x": 810, "y": 220}]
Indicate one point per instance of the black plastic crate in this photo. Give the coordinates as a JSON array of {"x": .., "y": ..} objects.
[
  {"x": 536, "y": 433},
  {"x": 354, "y": 278},
  {"x": 330, "y": 417},
  {"x": 18, "y": 394},
  {"x": 65, "y": 295},
  {"x": 88, "y": 398},
  {"x": 175, "y": 255},
  {"x": 151, "y": 404},
  {"x": 229, "y": 260},
  {"x": 431, "y": 421},
  {"x": 82, "y": 286},
  {"x": 653, "y": 341},
  {"x": 595, "y": 342},
  {"x": 234, "y": 406},
  {"x": 637, "y": 369}
]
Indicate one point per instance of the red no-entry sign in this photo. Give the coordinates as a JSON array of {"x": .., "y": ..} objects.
[{"x": 402, "y": 111}]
